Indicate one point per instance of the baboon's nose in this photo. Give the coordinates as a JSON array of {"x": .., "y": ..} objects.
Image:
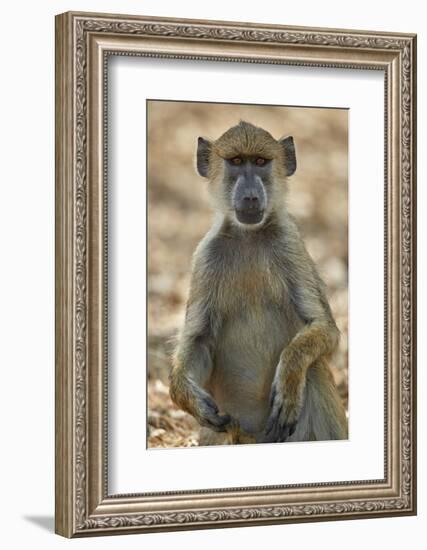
[{"x": 251, "y": 202}]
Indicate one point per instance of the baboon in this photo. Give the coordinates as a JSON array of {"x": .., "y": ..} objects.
[{"x": 252, "y": 360}]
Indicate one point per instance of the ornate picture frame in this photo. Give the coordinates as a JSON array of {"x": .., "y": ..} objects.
[{"x": 84, "y": 42}]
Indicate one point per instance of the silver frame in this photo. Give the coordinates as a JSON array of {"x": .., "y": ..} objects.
[{"x": 83, "y": 43}]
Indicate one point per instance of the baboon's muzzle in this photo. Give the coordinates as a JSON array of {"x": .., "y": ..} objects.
[{"x": 249, "y": 200}]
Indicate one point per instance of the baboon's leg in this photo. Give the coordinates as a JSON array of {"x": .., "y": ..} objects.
[{"x": 323, "y": 415}]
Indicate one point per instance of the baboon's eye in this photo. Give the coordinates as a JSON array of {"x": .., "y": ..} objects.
[
  {"x": 260, "y": 161},
  {"x": 236, "y": 161}
]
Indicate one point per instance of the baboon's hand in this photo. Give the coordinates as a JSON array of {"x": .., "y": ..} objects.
[
  {"x": 207, "y": 413},
  {"x": 192, "y": 398},
  {"x": 286, "y": 401}
]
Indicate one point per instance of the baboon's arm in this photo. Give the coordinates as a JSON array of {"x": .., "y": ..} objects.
[
  {"x": 317, "y": 338},
  {"x": 192, "y": 368}
]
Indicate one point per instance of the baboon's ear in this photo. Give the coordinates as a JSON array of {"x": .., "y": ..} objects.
[
  {"x": 203, "y": 151},
  {"x": 290, "y": 157}
]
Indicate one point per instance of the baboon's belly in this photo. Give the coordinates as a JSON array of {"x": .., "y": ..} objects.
[{"x": 247, "y": 354}]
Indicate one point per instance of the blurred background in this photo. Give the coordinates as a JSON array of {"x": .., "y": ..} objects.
[{"x": 179, "y": 215}]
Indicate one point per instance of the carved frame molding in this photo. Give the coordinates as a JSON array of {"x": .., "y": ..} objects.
[{"x": 83, "y": 43}]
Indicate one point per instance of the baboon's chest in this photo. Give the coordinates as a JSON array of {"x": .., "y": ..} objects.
[{"x": 250, "y": 283}]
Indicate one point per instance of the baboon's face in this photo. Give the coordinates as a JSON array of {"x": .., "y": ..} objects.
[
  {"x": 247, "y": 168},
  {"x": 246, "y": 182}
]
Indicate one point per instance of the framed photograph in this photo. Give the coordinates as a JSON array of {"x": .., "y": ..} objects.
[{"x": 235, "y": 274}]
